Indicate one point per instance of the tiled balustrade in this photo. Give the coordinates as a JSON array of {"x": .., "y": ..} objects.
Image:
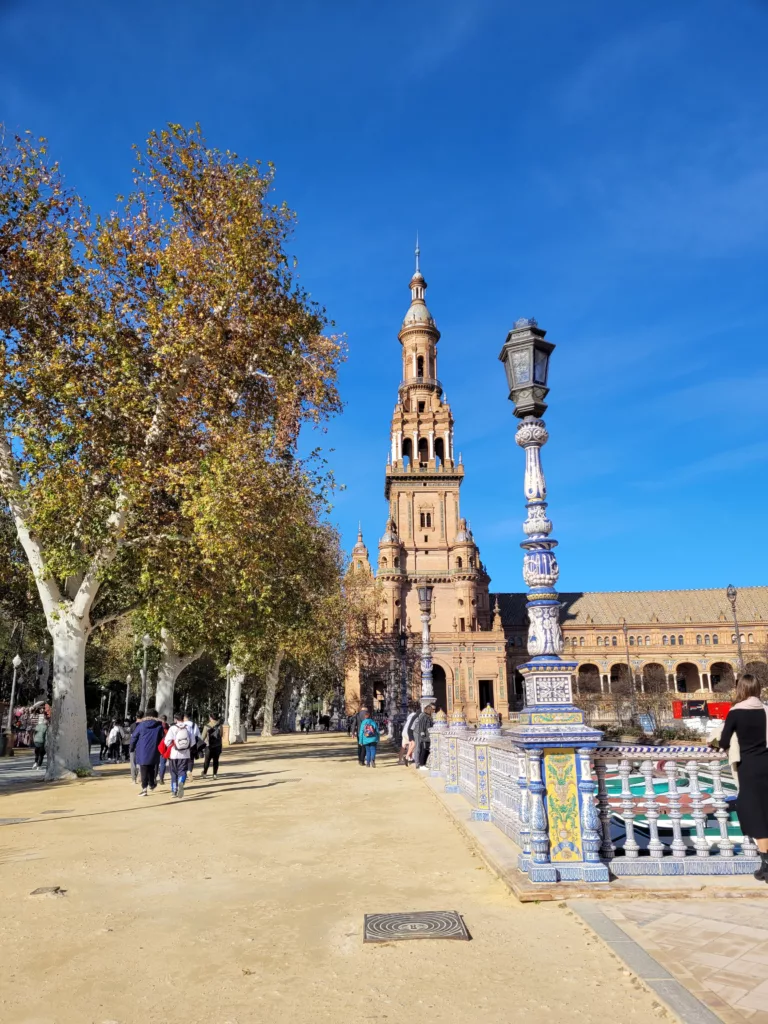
[{"x": 635, "y": 810}]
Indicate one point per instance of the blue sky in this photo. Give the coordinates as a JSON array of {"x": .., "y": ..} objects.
[{"x": 602, "y": 167}]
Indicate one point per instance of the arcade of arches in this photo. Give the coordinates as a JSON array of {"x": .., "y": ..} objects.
[{"x": 675, "y": 640}]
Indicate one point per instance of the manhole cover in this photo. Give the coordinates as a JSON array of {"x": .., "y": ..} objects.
[
  {"x": 424, "y": 924},
  {"x": 12, "y": 821}
]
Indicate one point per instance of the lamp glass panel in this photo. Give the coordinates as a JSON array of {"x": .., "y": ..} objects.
[
  {"x": 540, "y": 366},
  {"x": 520, "y": 360}
]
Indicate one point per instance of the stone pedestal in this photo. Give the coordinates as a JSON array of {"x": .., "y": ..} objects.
[
  {"x": 457, "y": 727},
  {"x": 561, "y": 811},
  {"x": 488, "y": 728},
  {"x": 437, "y": 737}
]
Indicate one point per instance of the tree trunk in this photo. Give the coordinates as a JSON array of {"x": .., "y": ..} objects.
[
  {"x": 68, "y": 751},
  {"x": 273, "y": 675},
  {"x": 172, "y": 664},
  {"x": 286, "y": 709},
  {"x": 235, "y": 690}
]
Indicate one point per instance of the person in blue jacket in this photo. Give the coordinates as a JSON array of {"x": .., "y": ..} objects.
[
  {"x": 368, "y": 738},
  {"x": 144, "y": 742}
]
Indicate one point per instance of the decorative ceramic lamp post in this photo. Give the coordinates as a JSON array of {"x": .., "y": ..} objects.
[
  {"x": 564, "y": 825},
  {"x": 425, "y": 606}
]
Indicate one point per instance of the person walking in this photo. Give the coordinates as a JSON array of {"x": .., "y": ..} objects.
[
  {"x": 421, "y": 734},
  {"x": 179, "y": 739},
  {"x": 212, "y": 738},
  {"x": 407, "y": 741},
  {"x": 357, "y": 720},
  {"x": 131, "y": 751},
  {"x": 38, "y": 740},
  {"x": 747, "y": 723},
  {"x": 144, "y": 743},
  {"x": 103, "y": 748},
  {"x": 195, "y": 738},
  {"x": 368, "y": 738},
  {"x": 164, "y": 752},
  {"x": 113, "y": 743},
  {"x": 125, "y": 739}
]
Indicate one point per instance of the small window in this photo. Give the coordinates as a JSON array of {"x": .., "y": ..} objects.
[
  {"x": 384, "y": 625},
  {"x": 706, "y": 639},
  {"x": 471, "y": 561},
  {"x": 581, "y": 641},
  {"x": 459, "y": 563},
  {"x": 639, "y": 641},
  {"x": 461, "y": 625},
  {"x": 647, "y": 641},
  {"x": 715, "y": 638},
  {"x": 680, "y": 641},
  {"x": 383, "y": 562},
  {"x": 665, "y": 640},
  {"x": 359, "y": 565},
  {"x": 429, "y": 518},
  {"x": 420, "y": 366},
  {"x": 614, "y": 642},
  {"x": 599, "y": 641},
  {"x": 698, "y": 639},
  {"x": 750, "y": 638},
  {"x": 422, "y": 519},
  {"x": 673, "y": 640},
  {"x": 631, "y": 641},
  {"x": 396, "y": 561},
  {"x": 421, "y": 406}
]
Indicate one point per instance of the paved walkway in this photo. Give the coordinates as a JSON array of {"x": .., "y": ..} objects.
[
  {"x": 244, "y": 902},
  {"x": 718, "y": 949}
]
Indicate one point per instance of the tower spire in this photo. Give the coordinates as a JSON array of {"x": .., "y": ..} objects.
[{"x": 418, "y": 254}]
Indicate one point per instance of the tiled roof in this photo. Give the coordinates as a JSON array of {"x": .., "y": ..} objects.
[{"x": 640, "y": 607}]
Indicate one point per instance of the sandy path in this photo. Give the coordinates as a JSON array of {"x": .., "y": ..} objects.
[{"x": 244, "y": 903}]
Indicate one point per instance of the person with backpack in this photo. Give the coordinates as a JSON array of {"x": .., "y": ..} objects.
[
  {"x": 368, "y": 738},
  {"x": 213, "y": 740},
  {"x": 144, "y": 742},
  {"x": 179, "y": 740},
  {"x": 357, "y": 721}
]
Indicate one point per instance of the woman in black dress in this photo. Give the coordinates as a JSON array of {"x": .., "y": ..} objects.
[{"x": 748, "y": 721}]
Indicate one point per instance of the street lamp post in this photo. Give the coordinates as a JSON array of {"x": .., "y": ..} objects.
[
  {"x": 146, "y": 640},
  {"x": 402, "y": 643},
  {"x": 550, "y": 729},
  {"x": 425, "y": 607},
  {"x": 128, "y": 679},
  {"x": 9, "y": 732},
  {"x": 731, "y": 594}
]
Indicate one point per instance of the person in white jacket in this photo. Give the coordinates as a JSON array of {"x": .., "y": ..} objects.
[
  {"x": 114, "y": 740},
  {"x": 179, "y": 739}
]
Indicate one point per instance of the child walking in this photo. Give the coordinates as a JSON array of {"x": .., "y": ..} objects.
[{"x": 368, "y": 738}]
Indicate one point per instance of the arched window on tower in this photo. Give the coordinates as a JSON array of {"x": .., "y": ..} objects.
[
  {"x": 439, "y": 451},
  {"x": 383, "y": 562},
  {"x": 396, "y": 562},
  {"x": 420, "y": 366},
  {"x": 459, "y": 562},
  {"x": 407, "y": 451},
  {"x": 471, "y": 561},
  {"x": 423, "y": 451}
]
